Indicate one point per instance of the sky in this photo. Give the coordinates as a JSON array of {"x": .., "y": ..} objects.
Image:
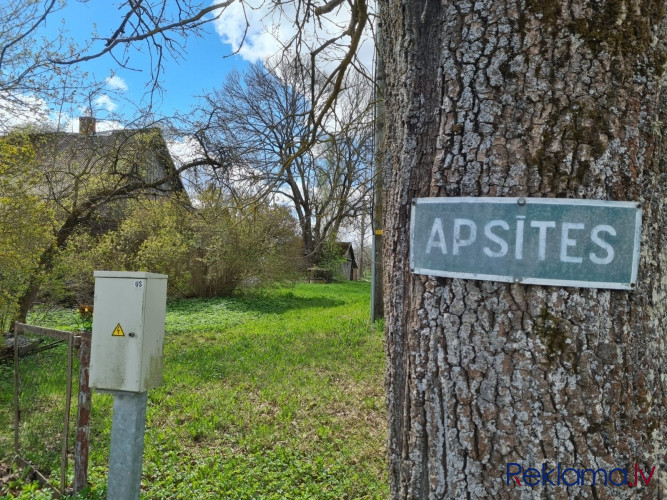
[
  {"x": 202, "y": 67},
  {"x": 206, "y": 60}
]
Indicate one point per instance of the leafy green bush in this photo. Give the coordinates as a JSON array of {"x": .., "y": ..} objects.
[
  {"x": 242, "y": 244},
  {"x": 208, "y": 251},
  {"x": 333, "y": 258},
  {"x": 24, "y": 222}
]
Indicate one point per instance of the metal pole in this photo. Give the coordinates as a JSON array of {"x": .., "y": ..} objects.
[
  {"x": 81, "y": 447},
  {"x": 127, "y": 445},
  {"x": 17, "y": 410},
  {"x": 377, "y": 304},
  {"x": 68, "y": 406}
]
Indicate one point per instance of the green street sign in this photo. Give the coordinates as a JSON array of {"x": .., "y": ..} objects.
[{"x": 539, "y": 241}]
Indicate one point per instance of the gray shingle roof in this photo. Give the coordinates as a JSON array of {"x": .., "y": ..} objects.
[{"x": 140, "y": 154}]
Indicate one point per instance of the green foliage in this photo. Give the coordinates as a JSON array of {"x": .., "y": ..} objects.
[
  {"x": 25, "y": 222},
  {"x": 209, "y": 251},
  {"x": 270, "y": 395},
  {"x": 333, "y": 257},
  {"x": 71, "y": 278},
  {"x": 27, "y": 491},
  {"x": 242, "y": 243},
  {"x": 156, "y": 237}
]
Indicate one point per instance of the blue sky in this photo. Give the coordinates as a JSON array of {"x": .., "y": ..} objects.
[
  {"x": 202, "y": 67},
  {"x": 205, "y": 61}
]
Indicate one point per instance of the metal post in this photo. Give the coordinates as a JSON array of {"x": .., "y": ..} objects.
[
  {"x": 81, "y": 447},
  {"x": 68, "y": 406},
  {"x": 127, "y": 445}
]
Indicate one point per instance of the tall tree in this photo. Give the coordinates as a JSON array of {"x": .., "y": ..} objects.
[
  {"x": 532, "y": 99},
  {"x": 25, "y": 221},
  {"x": 257, "y": 126}
]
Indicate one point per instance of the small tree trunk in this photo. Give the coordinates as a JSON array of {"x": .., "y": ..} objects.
[
  {"x": 27, "y": 299},
  {"x": 541, "y": 99}
]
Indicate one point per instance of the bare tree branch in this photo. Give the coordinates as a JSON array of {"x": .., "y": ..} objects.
[
  {"x": 263, "y": 117},
  {"x": 188, "y": 23},
  {"x": 22, "y": 36}
]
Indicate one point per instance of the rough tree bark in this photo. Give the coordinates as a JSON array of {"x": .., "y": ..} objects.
[{"x": 565, "y": 98}]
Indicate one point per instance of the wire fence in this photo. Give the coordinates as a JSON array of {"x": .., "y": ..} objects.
[{"x": 49, "y": 367}]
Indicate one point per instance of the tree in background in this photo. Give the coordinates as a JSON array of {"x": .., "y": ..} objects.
[
  {"x": 257, "y": 126},
  {"x": 26, "y": 222},
  {"x": 82, "y": 179},
  {"x": 516, "y": 99}
]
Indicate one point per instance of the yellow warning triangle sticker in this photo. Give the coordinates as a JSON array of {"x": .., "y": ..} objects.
[{"x": 118, "y": 331}]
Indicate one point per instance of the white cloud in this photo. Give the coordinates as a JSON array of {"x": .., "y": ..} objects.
[
  {"x": 102, "y": 126},
  {"x": 184, "y": 150},
  {"x": 270, "y": 28},
  {"x": 104, "y": 101},
  {"x": 231, "y": 26},
  {"x": 22, "y": 110},
  {"x": 117, "y": 83}
]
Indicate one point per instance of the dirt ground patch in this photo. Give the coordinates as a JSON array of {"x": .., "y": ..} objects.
[{"x": 6, "y": 476}]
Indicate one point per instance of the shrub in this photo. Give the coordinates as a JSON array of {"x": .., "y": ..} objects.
[
  {"x": 208, "y": 251},
  {"x": 242, "y": 244},
  {"x": 333, "y": 258},
  {"x": 25, "y": 222}
]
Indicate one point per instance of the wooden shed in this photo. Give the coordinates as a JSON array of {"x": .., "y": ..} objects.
[{"x": 348, "y": 268}]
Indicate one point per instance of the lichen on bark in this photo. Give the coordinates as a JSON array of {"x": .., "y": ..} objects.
[{"x": 510, "y": 98}]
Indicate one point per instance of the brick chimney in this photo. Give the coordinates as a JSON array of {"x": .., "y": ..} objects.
[{"x": 87, "y": 125}]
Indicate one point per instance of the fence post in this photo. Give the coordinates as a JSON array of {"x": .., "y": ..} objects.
[
  {"x": 83, "y": 416},
  {"x": 68, "y": 405},
  {"x": 17, "y": 411}
]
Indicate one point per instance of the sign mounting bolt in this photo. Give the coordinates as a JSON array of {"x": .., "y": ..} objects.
[{"x": 521, "y": 202}]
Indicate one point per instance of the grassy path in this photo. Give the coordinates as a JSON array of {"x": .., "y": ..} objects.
[{"x": 275, "y": 395}]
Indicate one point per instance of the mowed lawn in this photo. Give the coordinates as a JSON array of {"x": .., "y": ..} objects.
[{"x": 272, "y": 395}]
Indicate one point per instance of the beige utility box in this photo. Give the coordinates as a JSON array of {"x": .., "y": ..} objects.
[{"x": 128, "y": 331}]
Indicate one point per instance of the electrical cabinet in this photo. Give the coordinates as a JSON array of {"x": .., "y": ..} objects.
[{"x": 128, "y": 331}]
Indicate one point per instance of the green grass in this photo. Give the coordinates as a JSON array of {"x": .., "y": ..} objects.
[{"x": 277, "y": 394}]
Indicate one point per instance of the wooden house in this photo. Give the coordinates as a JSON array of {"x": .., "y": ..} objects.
[
  {"x": 348, "y": 267},
  {"x": 74, "y": 165}
]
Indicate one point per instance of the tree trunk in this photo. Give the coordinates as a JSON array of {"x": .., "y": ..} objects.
[
  {"x": 27, "y": 298},
  {"x": 535, "y": 99}
]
